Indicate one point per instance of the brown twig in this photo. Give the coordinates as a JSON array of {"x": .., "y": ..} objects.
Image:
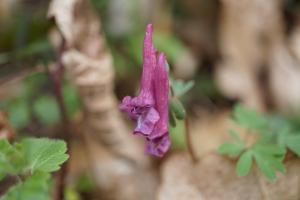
[
  {"x": 189, "y": 142},
  {"x": 56, "y": 76}
]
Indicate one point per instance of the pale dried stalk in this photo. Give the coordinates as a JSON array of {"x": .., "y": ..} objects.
[
  {"x": 116, "y": 157},
  {"x": 253, "y": 41},
  {"x": 244, "y": 25}
]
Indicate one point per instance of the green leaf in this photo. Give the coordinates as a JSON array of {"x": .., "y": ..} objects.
[
  {"x": 270, "y": 149},
  {"x": 44, "y": 154},
  {"x": 281, "y": 136},
  {"x": 85, "y": 183},
  {"x": 269, "y": 159},
  {"x": 34, "y": 187},
  {"x": 31, "y": 85},
  {"x": 177, "y": 108},
  {"x": 71, "y": 99},
  {"x": 170, "y": 44},
  {"x": 11, "y": 159},
  {"x": 248, "y": 118},
  {"x": 71, "y": 193},
  {"x": 19, "y": 115},
  {"x": 46, "y": 110},
  {"x": 235, "y": 136},
  {"x": 231, "y": 149},
  {"x": 178, "y": 135},
  {"x": 264, "y": 166},
  {"x": 293, "y": 143},
  {"x": 5, "y": 166},
  {"x": 244, "y": 163},
  {"x": 172, "y": 120},
  {"x": 180, "y": 88},
  {"x": 277, "y": 164}
]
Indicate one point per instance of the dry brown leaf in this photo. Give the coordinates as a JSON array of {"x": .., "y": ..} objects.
[
  {"x": 287, "y": 185},
  {"x": 284, "y": 79},
  {"x": 210, "y": 130},
  {"x": 177, "y": 180},
  {"x": 214, "y": 178},
  {"x": 63, "y": 11},
  {"x": 6, "y": 8},
  {"x": 247, "y": 28}
]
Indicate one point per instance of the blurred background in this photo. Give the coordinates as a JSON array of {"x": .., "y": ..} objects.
[{"x": 233, "y": 50}]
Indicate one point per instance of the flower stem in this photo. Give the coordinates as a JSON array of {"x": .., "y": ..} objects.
[{"x": 189, "y": 142}]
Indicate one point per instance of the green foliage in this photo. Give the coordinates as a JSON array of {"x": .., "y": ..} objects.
[
  {"x": 177, "y": 108},
  {"x": 180, "y": 88},
  {"x": 177, "y": 113},
  {"x": 178, "y": 135},
  {"x": 71, "y": 193},
  {"x": 32, "y": 159},
  {"x": 248, "y": 119},
  {"x": 19, "y": 114},
  {"x": 44, "y": 154},
  {"x": 34, "y": 187},
  {"x": 233, "y": 148},
  {"x": 169, "y": 44},
  {"x": 11, "y": 160},
  {"x": 42, "y": 46},
  {"x": 275, "y": 137},
  {"x": 32, "y": 101},
  {"x": 71, "y": 99},
  {"x": 244, "y": 163},
  {"x": 293, "y": 143},
  {"x": 46, "y": 110}
]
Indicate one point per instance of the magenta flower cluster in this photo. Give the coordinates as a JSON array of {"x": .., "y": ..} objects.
[{"x": 150, "y": 108}]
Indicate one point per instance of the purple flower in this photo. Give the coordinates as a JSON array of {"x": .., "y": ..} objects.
[{"x": 150, "y": 108}]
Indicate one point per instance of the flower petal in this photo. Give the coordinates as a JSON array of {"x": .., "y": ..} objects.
[
  {"x": 149, "y": 63},
  {"x": 161, "y": 95},
  {"x": 146, "y": 122},
  {"x": 159, "y": 146}
]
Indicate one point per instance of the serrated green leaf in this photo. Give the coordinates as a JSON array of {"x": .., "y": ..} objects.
[
  {"x": 5, "y": 146},
  {"x": 35, "y": 187},
  {"x": 244, "y": 163},
  {"x": 232, "y": 149},
  {"x": 177, "y": 108},
  {"x": 5, "y": 166},
  {"x": 293, "y": 143},
  {"x": 11, "y": 159},
  {"x": 44, "y": 154},
  {"x": 248, "y": 118},
  {"x": 46, "y": 110}
]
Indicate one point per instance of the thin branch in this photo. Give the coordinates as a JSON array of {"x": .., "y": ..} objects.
[
  {"x": 56, "y": 75},
  {"x": 189, "y": 142}
]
